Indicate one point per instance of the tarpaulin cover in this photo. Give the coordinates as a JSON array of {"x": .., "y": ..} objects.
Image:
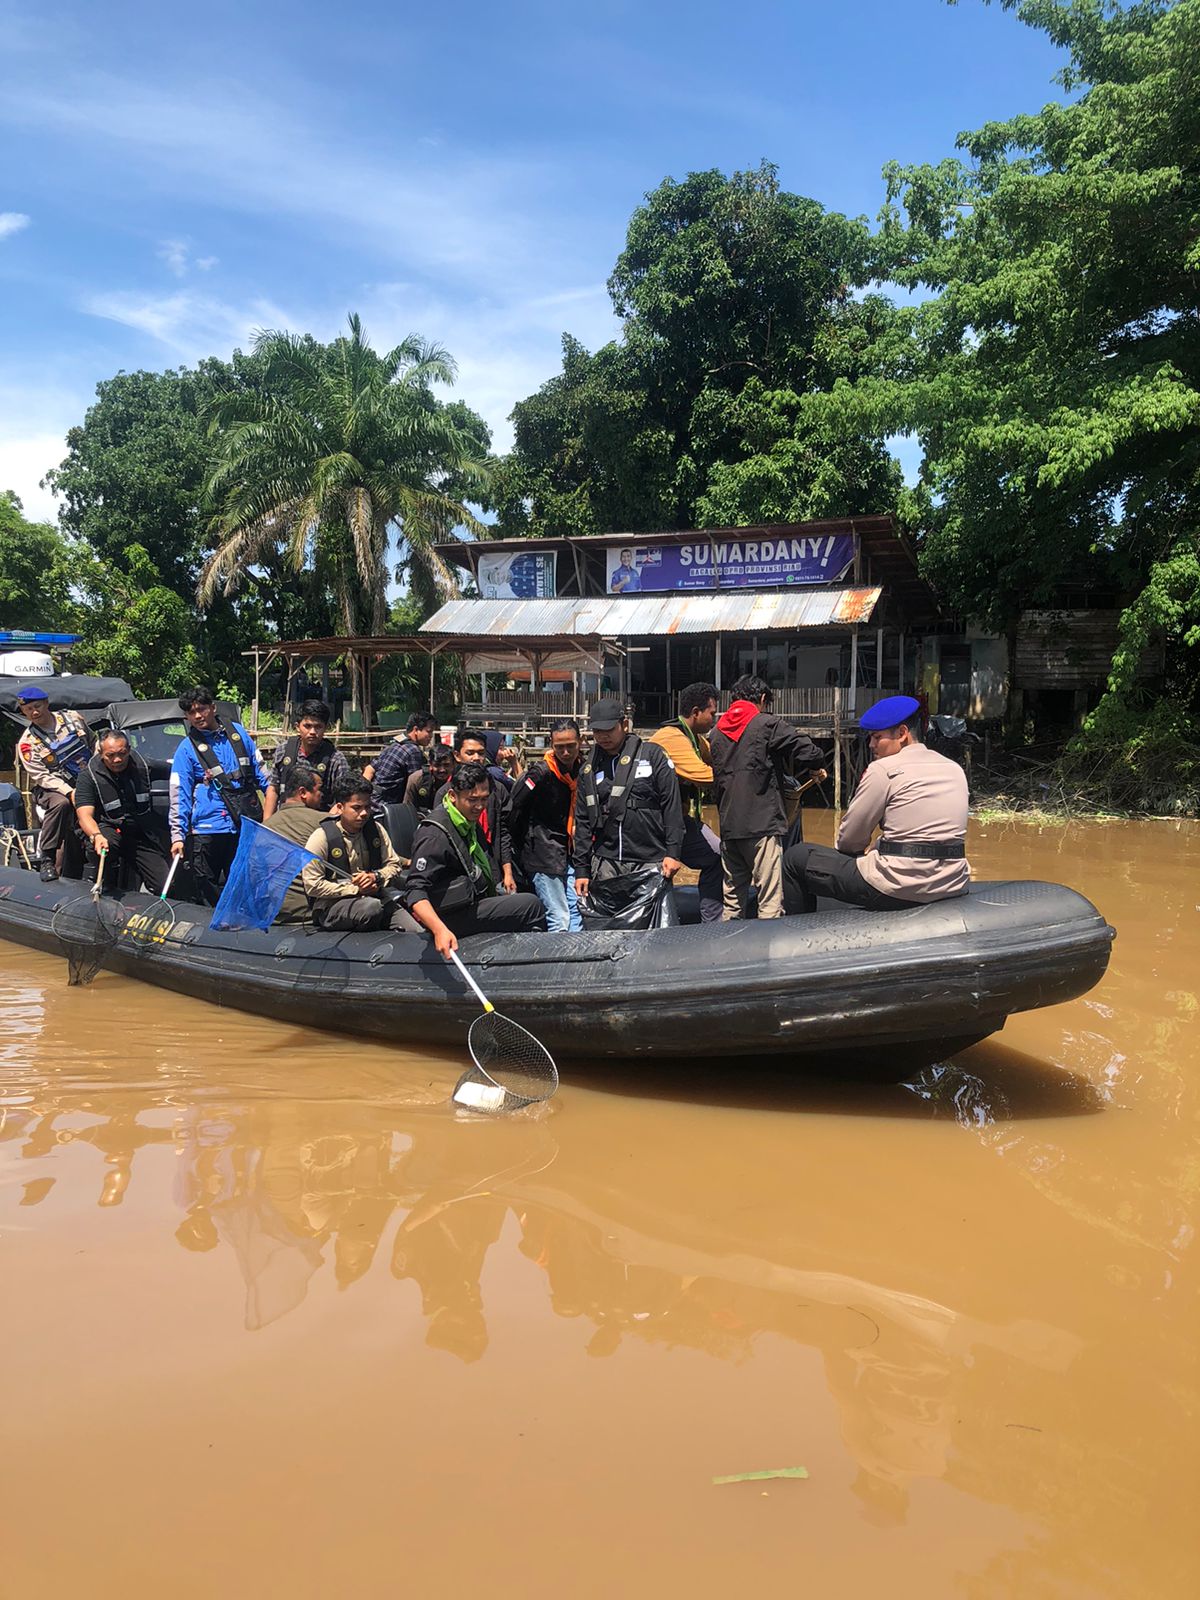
[
  {"x": 262, "y": 869},
  {"x": 73, "y": 693}
]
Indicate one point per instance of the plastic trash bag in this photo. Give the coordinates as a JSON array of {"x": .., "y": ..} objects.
[{"x": 632, "y": 903}]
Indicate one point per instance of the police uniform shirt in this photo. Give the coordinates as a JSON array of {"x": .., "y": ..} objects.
[{"x": 36, "y": 758}]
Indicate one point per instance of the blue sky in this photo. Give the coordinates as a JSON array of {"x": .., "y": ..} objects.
[{"x": 174, "y": 178}]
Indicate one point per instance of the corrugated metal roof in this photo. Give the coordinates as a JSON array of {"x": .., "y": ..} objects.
[{"x": 635, "y": 616}]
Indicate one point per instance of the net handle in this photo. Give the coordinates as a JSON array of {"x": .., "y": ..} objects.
[
  {"x": 98, "y": 886},
  {"x": 478, "y": 992},
  {"x": 174, "y": 864}
]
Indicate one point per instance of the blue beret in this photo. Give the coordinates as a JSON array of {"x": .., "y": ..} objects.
[
  {"x": 31, "y": 691},
  {"x": 889, "y": 713}
]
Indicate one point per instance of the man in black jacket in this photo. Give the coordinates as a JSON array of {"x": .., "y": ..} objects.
[
  {"x": 453, "y": 888},
  {"x": 627, "y": 807},
  {"x": 752, "y": 750},
  {"x": 113, "y": 809},
  {"x": 470, "y": 749},
  {"x": 541, "y": 820}
]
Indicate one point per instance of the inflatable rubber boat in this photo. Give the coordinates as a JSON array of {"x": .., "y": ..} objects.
[{"x": 882, "y": 992}]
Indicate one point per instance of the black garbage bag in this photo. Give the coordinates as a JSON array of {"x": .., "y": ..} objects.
[{"x": 633, "y": 902}]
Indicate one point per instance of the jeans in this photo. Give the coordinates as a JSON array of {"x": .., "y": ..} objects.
[{"x": 558, "y": 897}]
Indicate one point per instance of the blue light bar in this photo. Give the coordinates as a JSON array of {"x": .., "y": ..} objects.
[{"x": 19, "y": 636}]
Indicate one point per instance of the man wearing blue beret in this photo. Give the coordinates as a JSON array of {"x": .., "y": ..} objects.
[{"x": 918, "y": 801}]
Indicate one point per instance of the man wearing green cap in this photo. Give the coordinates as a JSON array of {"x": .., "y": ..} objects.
[
  {"x": 917, "y": 799},
  {"x": 454, "y": 887}
]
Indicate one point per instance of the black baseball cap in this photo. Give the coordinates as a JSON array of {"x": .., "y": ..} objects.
[{"x": 607, "y": 714}]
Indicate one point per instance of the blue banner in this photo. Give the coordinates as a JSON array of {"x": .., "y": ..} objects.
[
  {"x": 757, "y": 561},
  {"x": 262, "y": 870}
]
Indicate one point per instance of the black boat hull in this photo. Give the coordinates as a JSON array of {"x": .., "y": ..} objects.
[{"x": 882, "y": 992}]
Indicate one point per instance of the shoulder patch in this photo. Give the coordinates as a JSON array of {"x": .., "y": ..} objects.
[
  {"x": 529, "y": 783},
  {"x": 420, "y": 863}
]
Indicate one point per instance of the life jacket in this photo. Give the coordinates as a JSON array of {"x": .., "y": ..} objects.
[
  {"x": 122, "y": 801},
  {"x": 68, "y": 753},
  {"x": 239, "y": 790},
  {"x": 318, "y": 761},
  {"x": 473, "y": 885},
  {"x": 616, "y": 802},
  {"x": 338, "y": 853}
]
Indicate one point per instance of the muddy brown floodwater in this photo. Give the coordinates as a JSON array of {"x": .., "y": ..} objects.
[{"x": 276, "y": 1324}]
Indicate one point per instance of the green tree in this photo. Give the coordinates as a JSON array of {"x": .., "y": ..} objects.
[
  {"x": 37, "y": 566},
  {"x": 737, "y": 300},
  {"x": 340, "y": 447},
  {"x": 1054, "y": 375}
]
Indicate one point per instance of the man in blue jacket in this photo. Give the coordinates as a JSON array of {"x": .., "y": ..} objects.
[{"x": 215, "y": 781}]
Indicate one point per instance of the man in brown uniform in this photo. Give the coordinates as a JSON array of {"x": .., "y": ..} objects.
[{"x": 918, "y": 801}]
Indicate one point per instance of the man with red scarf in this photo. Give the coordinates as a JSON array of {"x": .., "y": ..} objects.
[
  {"x": 541, "y": 823},
  {"x": 752, "y": 750}
]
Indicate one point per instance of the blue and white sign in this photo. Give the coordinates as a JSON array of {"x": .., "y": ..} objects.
[
  {"x": 528, "y": 575},
  {"x": 759, "y": 562}
]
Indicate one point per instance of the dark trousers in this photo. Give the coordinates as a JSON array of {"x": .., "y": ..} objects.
[
  {"x": 135, "y": 856},
  {"x": 362, "y": 913},
  {"x": 810, "y": 870},
  {"x": 698, "y": 854},
  {"x": 59, "y": 832},
  {"x": 211, "y": 858},
  {"x": 500, "y": 913}
]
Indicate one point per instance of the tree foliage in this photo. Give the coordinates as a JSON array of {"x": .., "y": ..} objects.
[
  {"x": 340, "y": 446},
  {"x": 737, "y": 300},
  {"x": 36, "y": 573}
]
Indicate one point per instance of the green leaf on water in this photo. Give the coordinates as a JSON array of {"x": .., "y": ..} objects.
[{"x": 770, "y": 1472}]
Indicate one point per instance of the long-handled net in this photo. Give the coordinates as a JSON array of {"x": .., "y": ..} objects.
[
  {"x": 141, "y": 930},
  {"x": 512, "y": 1067},
  {"x": 87, "y": 928}
]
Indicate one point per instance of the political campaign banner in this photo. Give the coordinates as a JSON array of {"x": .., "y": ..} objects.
[
  {"x": 728, "y": 563},
  {"x": 527, "y": 575}
]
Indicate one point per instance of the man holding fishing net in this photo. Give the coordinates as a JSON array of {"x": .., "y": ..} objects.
[{"x": 115, "y": 815}]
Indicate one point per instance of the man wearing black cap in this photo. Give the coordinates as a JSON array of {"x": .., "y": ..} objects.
[
  {"x": 918, "y": 801},
  {"x": 54, "y": 750},
  {"x": 627, "y": 807}
]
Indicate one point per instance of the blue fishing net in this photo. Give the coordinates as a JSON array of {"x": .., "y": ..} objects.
[{"x": 262, "y": 869}]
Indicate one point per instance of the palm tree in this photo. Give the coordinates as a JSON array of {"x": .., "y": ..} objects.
[{"x": 339, "y": 446}]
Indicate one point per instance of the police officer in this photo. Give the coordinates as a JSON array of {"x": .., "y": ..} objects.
[
  {"x": 310, "y": 745},
  {"x": 215, "y": 778},
  {"x": 54, "y": 749},
  {"x": 628, "y": 812},
  {"x": 113, "y": 808},
  {"x": 917, "y": 799},
  {"x": 454, "y": 888}
]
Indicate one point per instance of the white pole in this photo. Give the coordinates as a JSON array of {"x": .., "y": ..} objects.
[{"x": 854, "y": 671}]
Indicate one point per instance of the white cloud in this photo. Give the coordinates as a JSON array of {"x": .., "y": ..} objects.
[
  {"x": 475, "y": 219},
  {"x": 12, "y": 222},
  {"x": 190, "y": 325},
  {"x": 175, "y": 253},
  {"x": 207, "y": 263},
  {"x": 24, "y": 461}
]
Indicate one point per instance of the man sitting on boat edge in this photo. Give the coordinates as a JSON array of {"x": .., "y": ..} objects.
[
  {"x": 355, "y": 898},
  {"x": 917, "y": 799},
  {"x": 296, "y": 820},
  {"x": 454, "y": 888}
]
